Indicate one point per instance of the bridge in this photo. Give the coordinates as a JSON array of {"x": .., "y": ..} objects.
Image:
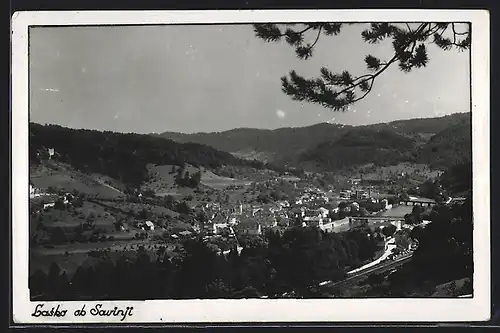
[
  {"x": 375, "y": 219},
  {"x": 418, "y": 202}
]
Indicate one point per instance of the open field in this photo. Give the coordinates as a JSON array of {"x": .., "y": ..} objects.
[
  {"x": 222, "y": 182},
  {"x": 132, "y": 207},
  {"x": 69, "y": 257},
  {"x": 371, "y": 172},
  {"x": 163, "y": 180},
  {"x": 69, "y": 219},
  {"x": 58, "y": 175}
]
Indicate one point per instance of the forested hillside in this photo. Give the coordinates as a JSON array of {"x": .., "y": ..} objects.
[
  {"x": 439, "y": 142},
  {"x": 121, "y": 156},
  {"x": 358, "y": 147}
]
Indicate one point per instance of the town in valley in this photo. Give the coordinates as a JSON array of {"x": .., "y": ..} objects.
[{"x": 300, "y": 208}]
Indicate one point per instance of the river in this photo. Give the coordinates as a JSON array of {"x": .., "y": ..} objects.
[{"x": 400, "y": 210}]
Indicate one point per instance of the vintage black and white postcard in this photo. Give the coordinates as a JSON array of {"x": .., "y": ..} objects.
[{"x": 250, "y": 166}]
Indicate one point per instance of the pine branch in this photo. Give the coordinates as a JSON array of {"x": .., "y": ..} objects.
[
  {"x": 317, "y": 37},
  {"x": 372, "y": 77},
  {"x": 409, "y": 51},
  {"x": 366, "y": 92},
  {"x": 454, "y": 33},
  {"x": 432, "y": 30}
]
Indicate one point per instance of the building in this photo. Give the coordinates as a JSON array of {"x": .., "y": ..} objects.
[
  {"x": 355, "y": 181},
  {"x": 345, "y": 195},
  {"x": 185, "y": 233},
  {"x": 51, "y": 152},
  {"x": 219, "y": 227},
  {"x": 354, "y": 206},
  {"x": 316, "y": 218},
  {"x": 324, "y": 212},
  {"x": 149, "y": 225},
  {"x": 361, "y": 195},
  {"x": 233, "y": 220},
  {"x": 248, "y": 226}
]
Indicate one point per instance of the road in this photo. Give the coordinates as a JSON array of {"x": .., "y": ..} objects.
[{"x": 363, "y": 274}]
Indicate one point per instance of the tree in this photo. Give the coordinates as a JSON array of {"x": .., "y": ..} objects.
[
  {"x": 389, "y": 230},
  {"x": 149, "y": 193},
  {"x": 363, "y": 212},
  {"x": 338, "y": 91},
  {"x": 59, "y": 204},
  {"x": 58, "y": 236},
  {"x": 343, "y": 205},
  {"x": 195, "y": 179},
  {"x": 375, "y": 279},
  {"x": 183, "y": 208}
]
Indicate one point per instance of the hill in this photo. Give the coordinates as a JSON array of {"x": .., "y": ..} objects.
[
  {"x": 265, "y": 145},
  {"x": 423, "y": 127},
  {"x": 358, "y": 147},
  {"x": 52, "y": 174},
  {"x": 162, "y": 179},
  {"x": 451, "y": 146},
  {"x": 380, "y": 146},
  {"x": 123, "y": 157},
  {"x": 283, "y": 145}
]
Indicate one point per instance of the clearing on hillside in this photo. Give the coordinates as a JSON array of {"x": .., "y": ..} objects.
[
  {"x": 163, "y": 178},
  {"x": 64, "y": 177}
]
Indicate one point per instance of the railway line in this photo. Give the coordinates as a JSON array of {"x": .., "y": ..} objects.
[{"x": 363, "y": 274}]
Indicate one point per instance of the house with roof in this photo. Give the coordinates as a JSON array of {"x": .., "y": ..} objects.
[
  {"x": 312, "y": 218},
  {"x": 219, "y": 227},
  {"x": 51, "y": 152},
  {"x": 232, "y": 220},
  {"x": 282, "y": 221},
  {"x": 32, "y": 191},
  {"x": 248, "y": 226},
  {"x": 218, "y": 223},
  {"x": 316, "y": 218},
  {"x": 149, "y": 225},
  {"x": 284, "y": 203},
  {"x": 256, "y": 210},
  {"x": 355, "y": 181},
  {"x": 324, "y": 212},
  {"x": 185, "y": 233},
  {"x": 206, "y": 228},
  {"x": 297, "y": 212}
]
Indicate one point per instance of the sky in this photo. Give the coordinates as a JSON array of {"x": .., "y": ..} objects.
[{"x": 210, "y": 78}]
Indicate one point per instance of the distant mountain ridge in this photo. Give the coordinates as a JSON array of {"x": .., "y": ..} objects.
[
  {"x": 274, "y": 144},
  {"x": 302, "y": 145}
]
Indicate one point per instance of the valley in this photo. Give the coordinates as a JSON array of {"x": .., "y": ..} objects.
[{"x": 104, "y": 198}]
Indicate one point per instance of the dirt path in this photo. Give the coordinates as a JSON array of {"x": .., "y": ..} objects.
[{"x": 107, "y": 185}]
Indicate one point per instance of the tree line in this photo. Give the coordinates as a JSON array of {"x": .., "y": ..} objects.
[
  {"x": 122, "y": 156},
  {"x": 269, "y": 265}
]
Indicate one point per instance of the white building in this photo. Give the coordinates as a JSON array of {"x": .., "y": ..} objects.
[
  {"x": 150, "y": 225},
  {"x": 51, "y": 152},
  {"x": 324, "y": 212},
  {"x": 218, "y": 227}
]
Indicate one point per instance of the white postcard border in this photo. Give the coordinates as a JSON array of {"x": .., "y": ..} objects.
[{"x": 257, "y": 310}]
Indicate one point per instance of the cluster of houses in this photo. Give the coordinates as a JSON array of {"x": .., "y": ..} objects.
[
  {"x": 243, "y": 218},
  {"x": 48, "y": 200},
  {"x": 354, "y": 194},
  {"x": 312, "y": 197}
]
